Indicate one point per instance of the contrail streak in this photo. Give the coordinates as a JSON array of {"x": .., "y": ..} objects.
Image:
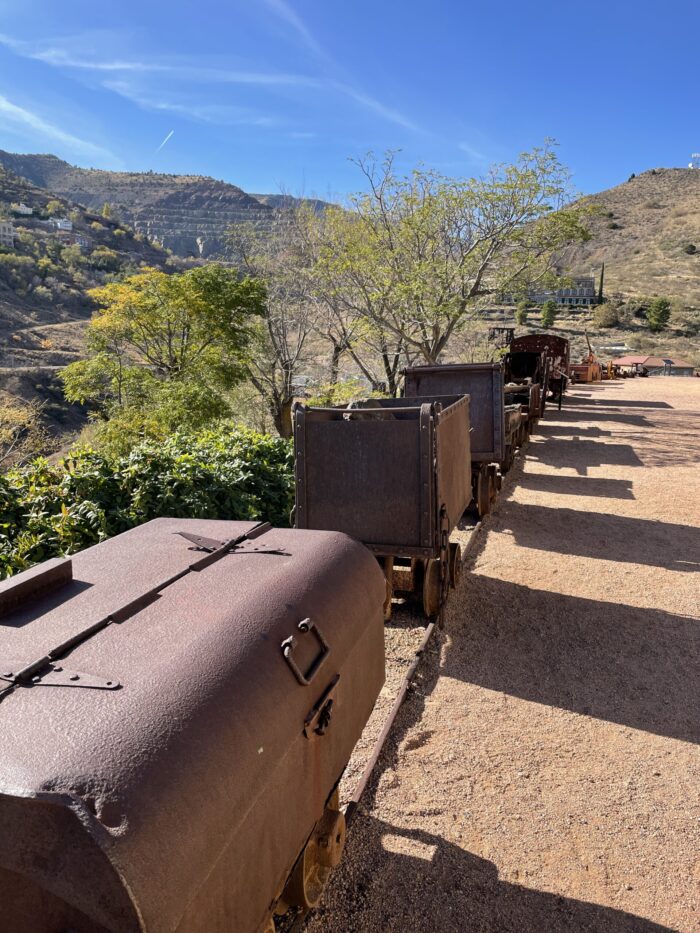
[{"x": 164, "y": 141}]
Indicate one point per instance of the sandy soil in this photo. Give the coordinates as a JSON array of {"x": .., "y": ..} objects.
[{"x": 544, "y": 773}]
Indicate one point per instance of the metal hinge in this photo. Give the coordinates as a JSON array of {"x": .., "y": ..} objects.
[
  {"x": 52, "y": 675},
  {"x": 246, "y": 546}
]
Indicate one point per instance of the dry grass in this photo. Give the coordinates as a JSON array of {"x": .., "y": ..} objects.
[{"x": 656, "y": 216}]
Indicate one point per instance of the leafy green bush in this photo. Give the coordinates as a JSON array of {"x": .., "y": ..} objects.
[
  {"x": 606, "y": 316},
  {"x": 658, "y": 314},
  {"x": 549, "y": 313},
  {"x": 228, "y": 472}
]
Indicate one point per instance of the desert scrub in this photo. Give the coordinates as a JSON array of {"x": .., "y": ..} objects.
[{"x": 228, "y": 472}]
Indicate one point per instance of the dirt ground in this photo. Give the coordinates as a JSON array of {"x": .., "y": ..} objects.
[{"x": 544, "y": 773}]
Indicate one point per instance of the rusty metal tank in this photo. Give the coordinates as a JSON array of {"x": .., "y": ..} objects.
[
  {"x": 177, "y": 705},
  {"x": 393, "y": 473}
]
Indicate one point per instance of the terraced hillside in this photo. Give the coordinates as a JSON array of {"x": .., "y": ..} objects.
[{"x": 189, "y": 214}]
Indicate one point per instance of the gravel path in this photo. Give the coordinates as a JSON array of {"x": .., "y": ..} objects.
[{"x": 544, "y": 773}]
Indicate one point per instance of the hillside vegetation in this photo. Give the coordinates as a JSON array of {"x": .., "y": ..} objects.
[
  {"x": 44, "y": 284},
  {"x": 188, "y": 214},
  {"x": 648, "y": 235}
]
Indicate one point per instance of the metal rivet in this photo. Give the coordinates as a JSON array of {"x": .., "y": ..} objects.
[
  {"x": 58, "y": 669},
  {"x": 74, "y": 677},
  {"x": 8, "y": 674}
]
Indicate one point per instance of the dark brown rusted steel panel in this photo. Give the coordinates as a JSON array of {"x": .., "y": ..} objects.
[
  {"x": 530, "y": 371},
  {"x": 483, "y": 383},
  {"x": 180, "y": 801},
  {"x": 556, "y": 348},
  {"x": 381, "y": 469}
]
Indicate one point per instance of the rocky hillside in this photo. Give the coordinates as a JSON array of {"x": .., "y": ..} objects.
[
  {"x": 648, "y": 235},
  {"x": 188, "y": 214},
  {"x": 44, "y": 280}
]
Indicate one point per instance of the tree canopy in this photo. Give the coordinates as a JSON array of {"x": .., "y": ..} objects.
[
  {"x": 413, "y": 256},
  {"x": 163, "y": 349}
]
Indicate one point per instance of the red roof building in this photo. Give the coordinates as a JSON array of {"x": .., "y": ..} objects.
[{"x": 657, "y": 365}]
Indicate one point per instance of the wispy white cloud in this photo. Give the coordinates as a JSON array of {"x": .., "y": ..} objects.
[
  {"x": 220, "y": 114},
  {"x": 473, "y": 153},
  {"x": 285, "y": 12},
  {"x": 15, "y": 117},
  {"x": 51, "y": 53},
  {"x": 60, "y": 57},
  {"x": 393, "y": 116}
]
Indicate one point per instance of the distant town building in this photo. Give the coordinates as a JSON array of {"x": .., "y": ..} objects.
[
  {"x": 71, "y": 238},
  {"x": 656, "y": 365},
  {"x": 21, "y": 209},
  {"x": 7, "y": 234},
  {"x": 61, "y": 223},
  {"x": 583, "y": 290}
]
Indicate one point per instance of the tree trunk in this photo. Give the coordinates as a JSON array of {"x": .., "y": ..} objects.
[
  {"x": 338, "y": 350},
  {"x": 281, "y": 412}
]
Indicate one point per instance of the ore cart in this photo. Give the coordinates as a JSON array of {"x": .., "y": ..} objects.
[
  {"x": 495, "y": 425},
  {"x": 558, "y": 353},
  {"x": 393, "y": 473},
  {"x": 177, "y": 705},
  {"x": 527, "y": 380}
]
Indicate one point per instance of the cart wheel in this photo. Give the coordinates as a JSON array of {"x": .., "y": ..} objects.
[
  {"x": 319, "y": 857},
  {"x": 417, "y": 575},
  {"x": 388, "y": 567},
  {"x": 507, "y": 461},
  {"x": 483, "y": 499},
  {"x": 432, "y": 589},
  {"x": 455, "y": 564},
  {"x": 493, "y": 481}
]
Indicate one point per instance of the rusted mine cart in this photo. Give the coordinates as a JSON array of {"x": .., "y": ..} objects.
[
  {"x": 393, "y": 473},
  {"x": 557, "y": 351},
  {"x": 177, "y": 706},
  {"x": 527, "y": 376},
  {"x": 495, "y": 426}
]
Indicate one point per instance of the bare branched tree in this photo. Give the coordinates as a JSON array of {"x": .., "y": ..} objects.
[{"x": 278, "y": 255}]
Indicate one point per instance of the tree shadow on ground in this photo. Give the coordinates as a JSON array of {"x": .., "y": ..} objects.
[
  {"x": 577, "y": 485},
  {"x": 604, "y": 537},
  {"x": 396, "y": 880},
  {"x": 636, "y": 667}
]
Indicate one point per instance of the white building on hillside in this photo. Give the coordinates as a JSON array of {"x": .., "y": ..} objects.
[{"x": 7, "y": 234}]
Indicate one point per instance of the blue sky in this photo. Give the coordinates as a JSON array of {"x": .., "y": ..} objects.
[{"x": 272, "y": 94}]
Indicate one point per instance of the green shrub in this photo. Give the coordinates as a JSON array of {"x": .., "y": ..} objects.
[
  {"x": 228, "y": 472},
  {"x": 690, "y": 249},
  {"x": 521, "y": 312},
  {"x": 658, "y": 314},
  {"x": 549, "y": 313},
  {"x": 606, "y": 316}
]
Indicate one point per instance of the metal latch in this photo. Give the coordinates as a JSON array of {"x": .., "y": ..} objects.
[
  {"x": 319, "y": 718},
  {"x": 52, "y": 675}
]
